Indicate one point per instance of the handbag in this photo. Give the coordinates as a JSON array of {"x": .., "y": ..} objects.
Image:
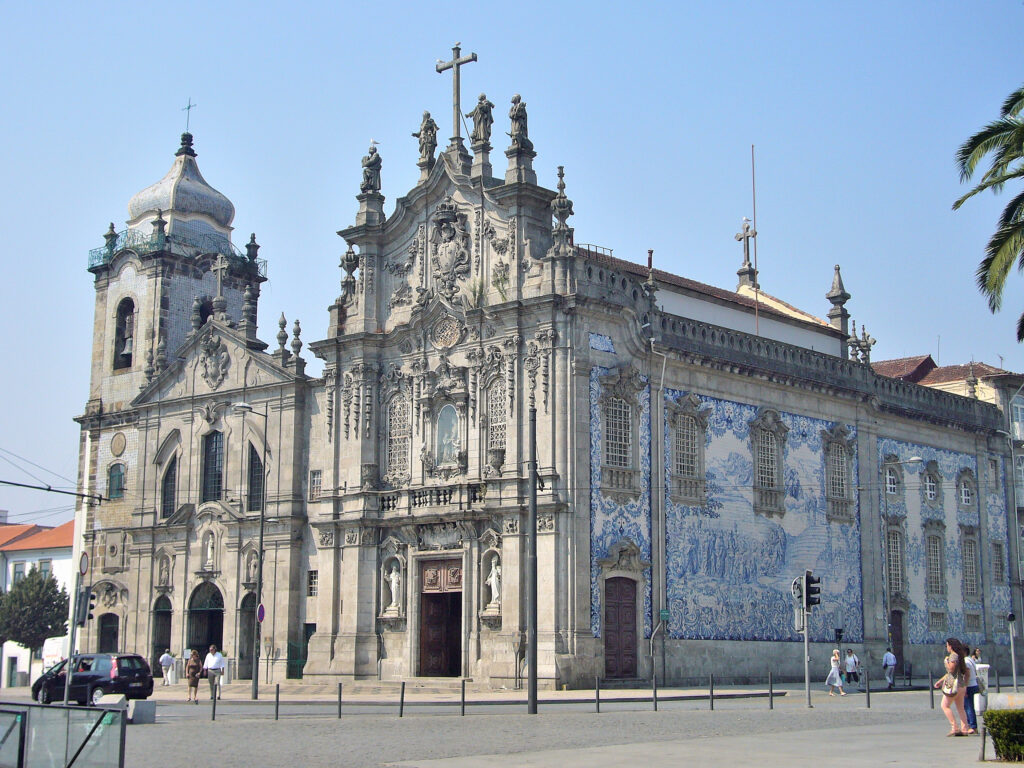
[{"x": 950, "y": 685}]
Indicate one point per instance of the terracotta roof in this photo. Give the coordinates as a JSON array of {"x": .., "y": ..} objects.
[
  {"x": 47, "y": 538},
  {"x": 949, "y": 373},
  {"x": 10, "y": 533},
  {"x": 911, "y": 369},
  {"x": 640, "y": 270}
]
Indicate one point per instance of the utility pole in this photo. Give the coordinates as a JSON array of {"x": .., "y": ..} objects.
[{"x": 531, "y": 573}]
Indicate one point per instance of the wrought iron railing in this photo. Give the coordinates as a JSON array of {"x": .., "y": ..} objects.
[{"x": 192, "y": 245}]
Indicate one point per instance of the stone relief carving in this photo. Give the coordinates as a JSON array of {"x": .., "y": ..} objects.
[
  {"x": 326, "y": 538},
  {"x": 351, "y": 536},
  {"x": 330, "y": 385},
  {"x": 214, "y": 360},
  {"x": 624, "y": 383},
  {"x": 440, "y": 536},
  {"x": 346, "y": 400},
  {"x": 401, "y": 297},
  {"x": 510, "y": 526},
  {"x": 369, "y": 475},
  {"x": 450, "y": 256},
  {"x": 545, "y": 523}
]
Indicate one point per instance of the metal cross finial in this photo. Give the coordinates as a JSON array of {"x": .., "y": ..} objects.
[
  {"x": 188, "y": 112},
  {"x": 220, "y": 267},
  {"x": 454, "y": 65},
  {"x": 746, "y": 235}
]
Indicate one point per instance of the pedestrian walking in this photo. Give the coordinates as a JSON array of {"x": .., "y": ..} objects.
[
  {"x": 193, "y": 669},
  {"x": 976, "y": 655},
  {"x": 889, "y": 667},
  {"x": 954, "y": 688},
  {"x": 166, "y": 662},
  {"x": 834, "y": 679},
  {"x": 214, "y": 665},
  {"x": 972, "y": 689},
  {"x": 852, "y": 665}
]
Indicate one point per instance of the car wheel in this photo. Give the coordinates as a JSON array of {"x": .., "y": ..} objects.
[
  {"x": 43, "y": 696},
  {"x": 97, "y": 694}
]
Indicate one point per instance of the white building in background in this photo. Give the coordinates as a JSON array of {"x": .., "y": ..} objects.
[{"x": 48, "y": 550}]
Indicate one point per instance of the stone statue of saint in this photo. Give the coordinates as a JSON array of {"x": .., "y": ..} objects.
[
  {"x": 519, "y": 133},
  {"x": 427, "y": 134},
  {"x": 208, "y": 560},
  {"x": 371, "y": 172},
  {"x": 250, "y": 571},
  {"x": 394, "y": 579},
  {"x": 493, "y": 581},
  {"x": 482, "y": 120},
  {"x": 165, "y": 572}
]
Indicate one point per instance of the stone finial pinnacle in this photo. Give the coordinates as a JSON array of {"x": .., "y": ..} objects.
[
  {"x": 296, "y": 341},
  {"x": 186, "y": 146},
  {"x": 282, "y": 334},
  {"x": 837, "y": 294}
]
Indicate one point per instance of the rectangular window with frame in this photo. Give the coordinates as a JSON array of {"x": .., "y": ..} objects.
[
  {"x": 686, "y": 462},
  {"x": 767, "y": 464},
  {"x": 213, "y": 466},
  {"x": 315, "y": 483},
  {"x": 936, "y": 621},
  {"x": 618, "y": 430},
  {"x": 19, "y": 573},
  {"x": 998, "y": 562},
  {"x": 892, "y": 481},
  {"x": 168, "y": 489},
  {"x": 1017, "y": 417},
  {"x": 993, "y": 471},
  {"x": 972, "y": 622},
  {"x": 970, "y": 555},
  {"x": 312, "y": 583},
  {"x": 933, "y": 557},
  {"x": 837, "y": 471},
  {"x": 894, "y": 549},
  {"x": 1002, "y": 627},
  {"x": 496, "y": 418},
  {"x": 45, "y": 568},
  {"x": 256, "y": 495},
  {"x": 398, "y": 437}
]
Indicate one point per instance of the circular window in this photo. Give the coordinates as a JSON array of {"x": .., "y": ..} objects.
[{"x": 447, "y": 332}]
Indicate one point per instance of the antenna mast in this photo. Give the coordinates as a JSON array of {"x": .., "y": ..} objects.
[{"x": 753, "y": 194}]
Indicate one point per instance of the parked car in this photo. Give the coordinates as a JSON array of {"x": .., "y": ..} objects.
[{"x": 93, "y": 675}]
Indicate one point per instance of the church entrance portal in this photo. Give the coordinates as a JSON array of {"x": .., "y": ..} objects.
[
  {"x": 246, "y": 634},
  {"x": 108, "y": 639},
  {"x": 206, "y": 618},
  {"x": 896, "y": 637},
  {"x": 441, "y": 618},
  {"x": 161, "y": 633},
  {"x": 620, "y": 628}
]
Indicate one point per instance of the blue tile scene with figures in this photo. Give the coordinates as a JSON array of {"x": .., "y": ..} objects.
[{"x": 729, "y": 569}]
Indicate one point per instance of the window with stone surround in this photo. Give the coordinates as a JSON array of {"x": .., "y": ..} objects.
[
  {"x": 965, "y": 485},
  {"x": 115, "y": 481},
  {"x": 936, "y": 621},
  {"x": 496, "y": 418},
  {"x": 315, "y": 483},
  {"x": 768, "y": 437},
  {"x": 972, "y": 622},
  {"x": 894, "y": 560},
  {"x": 213, "y": 466},
  {"x": 934, "y": 565},
  {"x": 169, "y": 489},
  {"x": 256, "y": 497},
  {"x": 398, "y": 439},
  {"x": 931, "y": 485},
  {"x": 892, "y": 481},
  {"x": 969, "y": 552},
  {"x": 838, "y": 451},
  {"x": 620, "y": 417},
  {"x": 618, "y": 432},
  {"x": 312, "y": 583},
  {"x": 124, "y": 335},
  {"x": 998, "y": 563},
  {"x": 688, "y": 433}
]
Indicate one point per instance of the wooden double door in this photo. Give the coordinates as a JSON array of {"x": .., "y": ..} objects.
[
  {"x": 620, "y": 628},
  {"x": 441, "y": 618}
]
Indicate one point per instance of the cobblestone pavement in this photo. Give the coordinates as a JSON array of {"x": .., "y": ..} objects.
[{"x": 898, "y": 729}]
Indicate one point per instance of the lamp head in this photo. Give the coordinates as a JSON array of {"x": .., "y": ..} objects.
[{"x": 241, "y": 408}]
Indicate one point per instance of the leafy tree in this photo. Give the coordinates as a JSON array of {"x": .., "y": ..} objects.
[
  {"x": 1003, "y": 142},
  {"x": 34, "y": 610}
]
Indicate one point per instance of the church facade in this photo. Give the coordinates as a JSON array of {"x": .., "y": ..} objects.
[{"x": 697, "y": 450}]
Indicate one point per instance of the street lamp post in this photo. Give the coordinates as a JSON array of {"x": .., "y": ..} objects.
[
  {"x": 915, "y": 460},
  {"x": 245, "y": 408}
]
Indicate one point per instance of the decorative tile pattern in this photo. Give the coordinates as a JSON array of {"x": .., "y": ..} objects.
[
  {"x": 602, "y": 343},
  {"x": 730, "y": 570},
  {"x": 611, "y": 521}
]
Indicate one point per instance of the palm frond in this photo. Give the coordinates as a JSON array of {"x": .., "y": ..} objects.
[
  {"x": 995, "y": 185},
  {"x": 991, "y": 138},
  {"x": 1014, "y": 103},
  {"x": 1004, "y": 248},
  {"x": 1020, "y": 328}
]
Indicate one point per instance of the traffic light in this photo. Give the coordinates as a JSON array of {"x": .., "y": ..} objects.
[
  {"x": 812, "y": 590},
  {"x": 85, "y": 606}
]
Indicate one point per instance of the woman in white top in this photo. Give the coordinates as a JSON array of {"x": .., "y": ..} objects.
[{"x": 834, "y": 679}]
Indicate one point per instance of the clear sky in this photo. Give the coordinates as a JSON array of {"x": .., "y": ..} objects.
[{"x": 856, "y": 110}]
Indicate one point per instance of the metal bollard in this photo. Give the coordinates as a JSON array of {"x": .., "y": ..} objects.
[
  {"x": 981, "y": 757},
  {"x": 711, "y": 692},
  {"x": 597, "y": 694},
  {"x": 213, "y": 710},
  {"x": 931, "y": 691},
  {"x": 867, "y": 686},
  {"x": 462, "y": 708},
  {"x": 771, "y": 700},
  {"x": 277, "y": 701},
  {"x": 401, "y": 701},
  {"x": 996, "y": 673},
  {"x": 339, "y": 701},
  {"x": 654, "y": 691}
]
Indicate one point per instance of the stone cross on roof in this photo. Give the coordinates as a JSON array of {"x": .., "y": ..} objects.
[
  {"x": 220, "y": 267},
  {"x": 455, "y": 65}
]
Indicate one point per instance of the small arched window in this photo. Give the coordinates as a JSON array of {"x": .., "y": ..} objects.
[
  {"x": 115, "y": 481},
  {"x": 168, "y": 489},
  {"x": 213, "y": 466},
  {"x": 124, "y": 335}
]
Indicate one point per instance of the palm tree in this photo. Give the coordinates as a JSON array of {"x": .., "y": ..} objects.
[{"x": 1002, "y": 141}]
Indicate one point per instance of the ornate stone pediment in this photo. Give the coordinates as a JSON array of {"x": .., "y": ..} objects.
[
  {"x": 623, "y": 555},
  {"x": 623, "y": 382}
]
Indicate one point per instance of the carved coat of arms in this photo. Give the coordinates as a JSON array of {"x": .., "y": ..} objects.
[
  {"x": 214, "y": 360},
  {"x": 450, "y": 248}
]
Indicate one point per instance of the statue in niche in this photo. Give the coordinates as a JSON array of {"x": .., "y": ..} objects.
[
  {"x": 483, "y": 119},
  {"x": 371, "y": 172},
  {"x": 447, "y": 436},
  {"x": 519, "y": 132},
  {"x": 208, "y": 551},
  {"x": 427, "y": 134},
  {"x": 394, "y": 580},
  {"x": 165, "y": 571},
  {"x": 251, "y": 566},
  {"x": 493, "y": 581}
]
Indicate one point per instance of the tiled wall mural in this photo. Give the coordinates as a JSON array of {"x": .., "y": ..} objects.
[
  {"x": 730, "y": 570},
  {"x": 610, "y": 521},
  {"x": 912, "y": 509}
]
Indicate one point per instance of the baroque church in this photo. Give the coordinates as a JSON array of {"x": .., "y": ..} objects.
[{"x": 698, "y": 448}]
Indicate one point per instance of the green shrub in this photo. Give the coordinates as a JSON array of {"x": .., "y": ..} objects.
[{"x": 1007, "y": 729}]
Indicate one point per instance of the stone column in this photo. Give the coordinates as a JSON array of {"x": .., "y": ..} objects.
[
  {"x": 328, "y": 604},
  {"x": 481, "y": 168},
  {"x": 520, "y": 166},
  {"x": 356, "y": 646}
]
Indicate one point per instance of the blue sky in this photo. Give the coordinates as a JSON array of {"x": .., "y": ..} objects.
[{"x": 856, "y": 111}]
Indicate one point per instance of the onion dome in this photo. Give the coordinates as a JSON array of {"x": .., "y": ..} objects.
[{"x": 183, "y": 191}]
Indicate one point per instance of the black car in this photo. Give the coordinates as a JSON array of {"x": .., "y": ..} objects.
[{"x": 95, "y": 674}]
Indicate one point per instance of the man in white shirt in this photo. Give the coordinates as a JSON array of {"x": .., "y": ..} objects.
[
  {"x": 166, "y": 662},
  {"x": 214, "y": 665},
  {"x": 889, "y": 667}
]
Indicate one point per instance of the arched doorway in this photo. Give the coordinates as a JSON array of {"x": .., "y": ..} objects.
[
  {"x": 246, "y": 634},
  {"x": 108, "y": 629},
  {"x": 896, "y": 638},
  {"x": 161, "y": 632},
  {"x": 620, "y": 628},
  {"x": 206, "y": 618}
]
